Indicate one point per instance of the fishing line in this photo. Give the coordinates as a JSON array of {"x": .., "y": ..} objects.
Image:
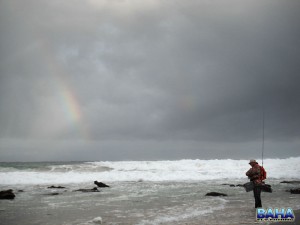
[{"x": 263, "y": 139}]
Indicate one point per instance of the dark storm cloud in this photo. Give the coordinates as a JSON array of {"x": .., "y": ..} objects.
[{"x": 197, "y": 73}]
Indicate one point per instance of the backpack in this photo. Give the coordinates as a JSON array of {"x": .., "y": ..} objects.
[{"x": 263, "y": 173}]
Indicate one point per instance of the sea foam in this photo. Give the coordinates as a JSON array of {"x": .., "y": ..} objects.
[{"x": 180, "y": 170}]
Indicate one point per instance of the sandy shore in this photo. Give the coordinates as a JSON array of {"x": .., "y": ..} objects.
[{"x": 142, "y": 203}]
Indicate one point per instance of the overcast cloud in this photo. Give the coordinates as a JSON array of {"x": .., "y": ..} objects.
[{"x": 151, "y": 79}]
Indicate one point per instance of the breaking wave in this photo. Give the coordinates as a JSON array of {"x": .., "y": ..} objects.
[{"x": 179, "y": 170}]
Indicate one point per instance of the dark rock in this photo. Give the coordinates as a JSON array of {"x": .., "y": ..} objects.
[
  {"x": 20, "y": 191},
  {"x": 240, "y": 185},
  {"x": 52, "y": 194},
  {"x": 230, "y": 185},
  {"x": 59, "y": 187},
  {"x": 100, "y": 184},
  {"x": 215, "y": 194},
  {"x": 88, "y": 190},
  {"x": 7, "y": 194},
  {"x": 295, "y": 191},
  {"x": 290, "y": 182}
]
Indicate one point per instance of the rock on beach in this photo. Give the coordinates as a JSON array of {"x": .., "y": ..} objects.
[
  {"x": 215, "y": 194},
  {"x": 7, "y": 194},
  {"x": 295, "y": 191},
  {"x": 88, "y": 190},
  {"x": 100, "y": 184}
]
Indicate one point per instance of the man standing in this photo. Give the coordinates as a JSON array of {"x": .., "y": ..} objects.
[{"x": 254, "y": 174}]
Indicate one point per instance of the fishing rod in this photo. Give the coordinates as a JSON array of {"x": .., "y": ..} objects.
[{"x": 263, "y": 139}]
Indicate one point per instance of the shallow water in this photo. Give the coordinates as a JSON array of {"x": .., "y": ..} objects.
[{"x": 144, "y": 202}]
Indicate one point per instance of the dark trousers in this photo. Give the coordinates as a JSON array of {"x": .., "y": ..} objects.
[{"x": 256, "y": 192}]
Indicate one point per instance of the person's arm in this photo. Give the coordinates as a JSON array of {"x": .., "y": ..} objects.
[
  {"x": 256, "y": 171},
  {"x": 249, "y": 173}
]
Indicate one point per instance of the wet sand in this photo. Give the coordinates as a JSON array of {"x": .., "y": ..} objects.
[{"x": 142, "y": 203}]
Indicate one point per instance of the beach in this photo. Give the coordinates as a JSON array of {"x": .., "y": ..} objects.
[
  {"x": 140, "y": 203},
  {"x": 153, "y": 198}
]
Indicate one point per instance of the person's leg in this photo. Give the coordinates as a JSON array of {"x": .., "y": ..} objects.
[{"x": 257, "y": 191}]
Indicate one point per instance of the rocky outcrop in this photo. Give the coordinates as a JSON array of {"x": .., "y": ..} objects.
[
  {"x": 234, "y": 185},
  {"x": 7, "y": 194},
  {"x": 58, "y": 187},
  {"x": 215, "y": 194},
  {"x": 100, "y": 184},
  {"x": 290, "y": 182},
  {"x": 88, "y": 190},
  {"x": 230, "y": 185},
  {"x": 295, "y": 191},
  {"x": 52, "y": 194}
]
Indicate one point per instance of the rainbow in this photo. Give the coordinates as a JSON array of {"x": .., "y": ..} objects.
[
  {"x": 63, "y": 91},
  {"x": 67, "y": 99},
  {"x": 70, "y": 105}
]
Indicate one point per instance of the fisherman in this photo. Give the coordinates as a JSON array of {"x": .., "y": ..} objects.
[{"x": 254, "y": 174}]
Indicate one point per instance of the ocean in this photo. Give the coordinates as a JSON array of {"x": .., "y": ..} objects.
[{"x": 140, "y": 192}]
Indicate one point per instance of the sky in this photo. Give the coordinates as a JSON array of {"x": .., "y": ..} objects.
[{"x": 149, "y": 80}]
